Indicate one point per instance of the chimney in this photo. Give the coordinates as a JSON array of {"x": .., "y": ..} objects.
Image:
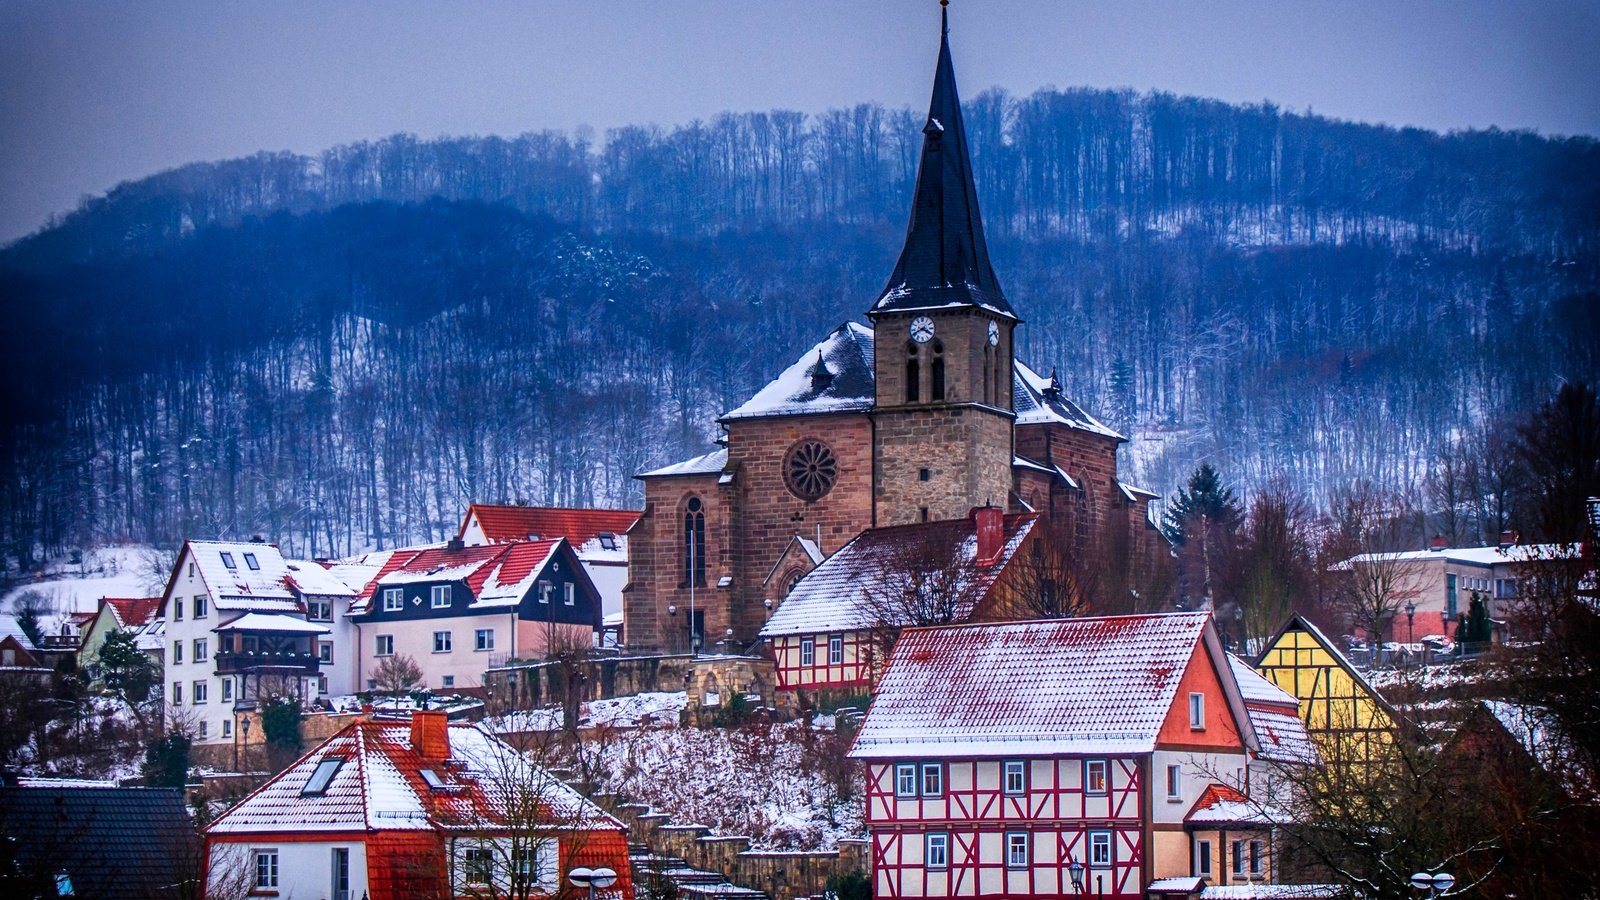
[
  {"x": 1437, "y": 542},
  {"x": 430, "y": 734},
  {"x": 990, "y": 523},
  {"x": 454, "y": 545},
  {"x": 257, "y": 539},
  {"x": 1509, "y": 538}
]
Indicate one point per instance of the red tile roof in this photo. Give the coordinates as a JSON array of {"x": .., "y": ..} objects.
[
  {"x": 133, "y": 612},
  {"x": 501, "y": 524},
  {"x": 1101, "y": 685}
]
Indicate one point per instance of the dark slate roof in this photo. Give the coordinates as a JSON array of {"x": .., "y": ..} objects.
[
  {"x": 945, "y": 262},
  {"x": 835, "y": 376},
  {"x": 112, "y": 842},
  {"x": 1039, "y": 400}
]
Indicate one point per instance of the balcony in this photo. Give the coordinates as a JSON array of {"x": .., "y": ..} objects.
[{"x": 270, "y": 662}]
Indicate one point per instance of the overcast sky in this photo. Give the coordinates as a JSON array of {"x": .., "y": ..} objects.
[{"x": 94, "y": 92}]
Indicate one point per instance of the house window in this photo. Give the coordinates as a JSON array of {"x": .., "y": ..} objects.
[
  {"x": 393, "y": 599},
  {"x": 1197, "y": 711},
  {"x": 524, "y": 861},
  {"x": 1099, "y": 848},
  {"x": 694, "y": 541},
  {"x": 1094, "y": 776},
  {"x": 177, "y": 609},
  {"x": 322, "y": 684},
  {"x": 1015, "y": 780},
  {"x": 477, "y": 865},
  {"x": 1258, "y": 852},
  {"x": 1238, "y": 859},
  {"x": 177, "y": 693},
  {"x": 199, "y": 692},
  {"x": 199, "y": 606},
  {"x": 441, "y": 642},
  {"x": 266, "y": 869},
  {"x": 448, "y": 681},
  {"x": 1450, "y": 596},
  {"x": 250, "y": 560},
  {"x": 227, "y": 690},
  {"x": 808, "y": 652},
  {"x": 227, "y": 729},
  {"x": 936, "y": 852},
  {"x": 544, "y": 592},
  {"x": 319, "y": 610},
  {"x": 199, "y": 649},
  {"x": 385, "y": 645},
  {"x": 932, "y": 779},
  {"x": 483, "y": 639},
  {"x": 227, "y": 560},
  {"x": 1202, "y": 858},
  {"x": 341, "y": 873},
  {"x": 191, "y": 570},
  {"x": 836, "y": 650},
  {"x": 905, "y": 780},
  {"x": 441, "y": 596},
  {"x": 325, "y": 651},
  {"x": 571, "y": 593},
  {"x": 1174, "y": 782},
  {"x": 177, "y": 651},
  {"x": 1016, "y": 849}
]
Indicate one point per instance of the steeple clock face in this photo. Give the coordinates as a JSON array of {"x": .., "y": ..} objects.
[
  {"x": 922, "y": 329},
  {"x": 994, "y": 333}
]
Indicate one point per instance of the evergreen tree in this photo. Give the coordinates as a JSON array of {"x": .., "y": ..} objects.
[
  {"x": 166, "y": 760},
  {"x": 1475, "y": 626},
  {"x": 1201, "y": 521}
]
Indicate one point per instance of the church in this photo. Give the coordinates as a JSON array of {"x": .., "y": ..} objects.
[{"x": 923, "y": 415}]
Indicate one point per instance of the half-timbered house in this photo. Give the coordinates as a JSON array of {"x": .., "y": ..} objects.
[
  {"x": 457, "y": 610},
  {"x": 598, "y": 536},
  {"x": 1345, "y": 716},
  {"x": 999, "y": 756},
  {"x": 830, "y": 634},
  {"x": 419, "y": 809}
]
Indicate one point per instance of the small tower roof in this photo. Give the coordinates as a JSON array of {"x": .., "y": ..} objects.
[{"x": 945, "y": 262}]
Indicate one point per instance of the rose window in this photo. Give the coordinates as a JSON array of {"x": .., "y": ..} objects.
[{"x": 810, "y": 470}]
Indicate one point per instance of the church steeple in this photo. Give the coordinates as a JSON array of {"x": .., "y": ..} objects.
[{"x": 945, "y": 262}]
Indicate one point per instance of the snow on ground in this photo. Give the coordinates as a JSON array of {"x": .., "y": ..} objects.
[
  {"x": 769, "y": 783},
  {"x": 124, "y": 571},
  {"x": 619, "y": 712}
]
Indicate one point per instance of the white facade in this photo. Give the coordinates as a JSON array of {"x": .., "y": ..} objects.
[{"x": 335, "y": 869}]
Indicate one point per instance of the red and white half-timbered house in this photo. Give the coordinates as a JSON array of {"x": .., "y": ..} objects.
[
  {"x": 420, "y": 809},
  {"x": 825, "y": 634},
  {"x": 999, "y": 755}
]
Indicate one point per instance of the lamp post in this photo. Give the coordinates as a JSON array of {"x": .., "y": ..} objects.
[
  {"x": 245, "y": 725},
  {"x": 1075, "y": 872},
  {"x": 1411, "y": 625},
  {"x": 1435, "y": 884},
  {"x": 593, "y": 879}
]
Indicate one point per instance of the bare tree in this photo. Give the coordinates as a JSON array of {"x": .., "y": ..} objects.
[
  {"x": 1045, "y": 580},
  {"x": 1373, "y": 575},
  {"x": 397, "y": 675}
]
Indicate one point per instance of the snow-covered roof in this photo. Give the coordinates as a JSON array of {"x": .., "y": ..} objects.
[
  {"x": 829, "y": 598},
  {"x": 151, "y": 637},
  {"x": 1545, "y": 739},
  {"x": 256, "y": 621},
  {"x": 1274, "y": 892},
  {"x": 1223, "y": 805},
  {"x": 1180, "y": 884},
  {"x": 1255, "y": 688},
  {"x": 378, "y": 784},
  {"x": 1101, "y": 685},
  {"x": 132, "y": 612},
  {"x": 498, "y": 575},
  {"x": 502, "y": 524},
  {"x": 835, "y": 376},
  {"x": 1038, "y": 400},
  {"x": 9, "y": 627},
  {"x": 255, "y": 575},
  {"x": 1134, "y": 493},
  {"x": 704, "y": 464},
  {"x": 1476, "y": 556},
  {"x": 1281, "y": 735}
]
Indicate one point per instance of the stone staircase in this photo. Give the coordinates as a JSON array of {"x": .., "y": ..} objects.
[{"x": 654, "y": 874}]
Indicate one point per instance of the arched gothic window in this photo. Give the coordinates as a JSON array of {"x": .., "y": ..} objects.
[
  {"x": 694, "y": 542},
  {"x": 937, "y": 391},
  {"x": 913, "y": 373}
]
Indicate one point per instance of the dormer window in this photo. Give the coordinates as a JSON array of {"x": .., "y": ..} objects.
[
  {"x": 441, "y": 596},
  {"x": 393, "y": 600},
  {"x": 227, "y": 560},
  {"x": 321, "y": 777},
  {"x": 435, "y": 783},
  {"x": 608, "y": 541},
  {"x": 250, "y": 560}
]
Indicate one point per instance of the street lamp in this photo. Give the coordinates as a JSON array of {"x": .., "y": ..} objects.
[
  {"x": 593, "y": 879},
  {"x": 1435, "y": 884},
  {"x": 245, "y": 724},
  {"x": 1075, "y": 872},
  {"x": 1411, "y": 625}
]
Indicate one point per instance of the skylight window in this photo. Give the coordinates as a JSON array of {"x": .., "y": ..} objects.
[
  {"x": 321, "y": 777},
  {"x": 608, "y": 541},
  {"x": 250, "y": 560},
  {"x": 227, "y": 560},
  {"x": 433, "y": 779}
]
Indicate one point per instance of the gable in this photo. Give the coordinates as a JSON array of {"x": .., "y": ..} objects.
[
  {"x": 1332, "y": 694},
  {"x": 1222, "y": 727}
]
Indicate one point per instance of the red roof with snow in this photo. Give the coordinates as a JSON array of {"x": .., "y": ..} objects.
[
  {"x": 133, "y": 612},
  {"x": 1102, "y": 685},
  {"x": 496, "y": 574},
  {"x": 503, "y": 524}
]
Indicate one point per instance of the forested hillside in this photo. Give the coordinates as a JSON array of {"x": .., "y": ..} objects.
[{"x": 340, "y": 351}]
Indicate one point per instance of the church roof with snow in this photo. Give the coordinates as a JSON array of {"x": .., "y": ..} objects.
[
  {"x": 1038, "y": 400},
  {"x": 835, "y": 376},
  {"x": 945, "y": 262}
]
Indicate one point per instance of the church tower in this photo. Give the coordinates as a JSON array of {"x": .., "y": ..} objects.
[{"x": 942, "y": 416}]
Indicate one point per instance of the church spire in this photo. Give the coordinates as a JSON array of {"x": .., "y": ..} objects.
[{"x": 945, "y": 261}]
